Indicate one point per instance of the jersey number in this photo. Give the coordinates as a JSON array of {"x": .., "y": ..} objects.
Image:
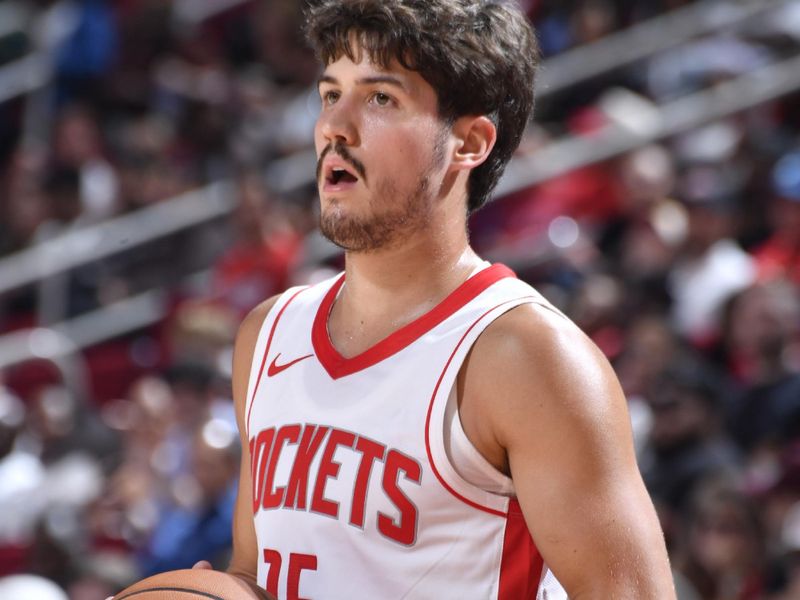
[{"x": 297, "y": 564}]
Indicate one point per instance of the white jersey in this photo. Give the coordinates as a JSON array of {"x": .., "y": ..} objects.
[{"x": 353, "y": 493}]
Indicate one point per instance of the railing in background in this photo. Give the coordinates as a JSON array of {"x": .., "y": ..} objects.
[
  {"x": 120, "y": 234},
  {"x": 53, "y": 345},
  {"x": 124, "y": 233},
  {"x": 14, "y": 17},
  {"x": 649, "y": 38},
  {"x": 23, "y": 76},
  {"x": 196, "y": 207},
  {"x": 673, "y": 118}
]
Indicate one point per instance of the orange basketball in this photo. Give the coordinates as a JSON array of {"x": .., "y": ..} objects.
[{"x": 189, "y": 584}]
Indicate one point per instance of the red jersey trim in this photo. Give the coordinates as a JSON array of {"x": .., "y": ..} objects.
[
  {"x": 338, "y": 366},
  {"x": 521, "y": 564},
  {"x": 430, "y": 412},
  {"x": 266, "y": 353}
]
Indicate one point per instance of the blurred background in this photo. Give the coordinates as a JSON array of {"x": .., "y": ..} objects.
[{"x": 156, "y": 182}]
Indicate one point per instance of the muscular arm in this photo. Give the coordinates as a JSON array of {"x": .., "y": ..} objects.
[
  {"x": 244, "y": 561},
  {"x": 558, "y": 424}
]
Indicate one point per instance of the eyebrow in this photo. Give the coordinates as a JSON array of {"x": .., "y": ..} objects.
[{"x": 386, "y": 79}]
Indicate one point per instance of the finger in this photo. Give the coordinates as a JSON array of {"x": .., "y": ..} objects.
[{"x": 202, "y": 564}]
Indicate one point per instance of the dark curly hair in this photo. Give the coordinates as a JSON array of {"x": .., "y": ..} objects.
[{"x": 479, "y": 56}]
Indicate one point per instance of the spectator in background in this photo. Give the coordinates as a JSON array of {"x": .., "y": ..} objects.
[
  {"x": 63, "y": 197},
  {"x": 144, "y": 419},
  {"x": 592, "y": 21},
  {"x": 202, "y": 332},
  {"x": 65, "y": 294},
  {"x": 78, "y": 145},
  {"x": 30, "y": 586},
  {"x": 762, "y": 329},
  {"x": 198, "y": 526},
  {"x": 597, "y": 308},
  {"x": 24, "y": 209},
  {"x": 60, "y": 425},
  {"x": 711, "y": 266},
  {"x": 650, "y": 346},
  {"x": 723, "y": 554},
  {"x": 194, "y": 89},
  {"x": 192, "y": 391},
  {"x": 776, "y": 488},
  {"x": 790, "y": 538},
  {"x": 687, "y": 443},
  {"x": 779, "y": 256},
  {"x": 640, "y": 243},
  {"x": 22, "y": 475},
  {"x": 55, "y": 471},
  {"x": 265, "y": 248},
  {"x": 124, "y": 515},
  {"x": 89, "y": 51},
  {"x": 278, "y": 33},
  {"x": 152, "y": 167}
]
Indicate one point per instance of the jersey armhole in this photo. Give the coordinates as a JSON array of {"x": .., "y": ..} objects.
[
  {"x": 471, "y": 489},
  {"x": 441, "y": 464},
  {"x": 466, "y": 459}
]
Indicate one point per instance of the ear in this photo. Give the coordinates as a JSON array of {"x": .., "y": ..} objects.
[{"x": 475, "y": 138}]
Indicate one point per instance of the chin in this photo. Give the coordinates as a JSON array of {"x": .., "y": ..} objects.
[
  {"x": 337, "y": 209},
  {"x": 351, "y": 233},
  {"x": 332, "y": 211}
]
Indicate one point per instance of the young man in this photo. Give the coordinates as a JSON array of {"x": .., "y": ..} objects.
[{"x": 426, "y": 425}]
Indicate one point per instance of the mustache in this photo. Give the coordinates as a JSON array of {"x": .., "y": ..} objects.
[{"x": 342, "y": 152}]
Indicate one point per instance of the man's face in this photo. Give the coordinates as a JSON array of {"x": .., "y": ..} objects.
[{"x": 382, "y": 153}]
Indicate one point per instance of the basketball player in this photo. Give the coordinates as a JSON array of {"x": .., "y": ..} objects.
[{"x": 425, "y": 425}]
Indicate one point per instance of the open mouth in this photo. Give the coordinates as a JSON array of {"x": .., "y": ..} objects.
[{"x": 338, "y": 175}]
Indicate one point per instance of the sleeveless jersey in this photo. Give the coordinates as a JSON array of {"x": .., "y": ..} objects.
[{"x": 353, "y": 493}]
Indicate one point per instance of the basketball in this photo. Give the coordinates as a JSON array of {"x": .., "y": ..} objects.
[{"x": 189, "y": 584}]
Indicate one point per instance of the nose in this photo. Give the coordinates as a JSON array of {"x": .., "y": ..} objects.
[{"x": 337, "y": 123}]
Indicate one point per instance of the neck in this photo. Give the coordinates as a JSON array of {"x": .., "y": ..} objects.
[
  {"x": 387, "y": 289},
  {"x": 419, "y": 266},
  {"x": 428, "y": 265}
]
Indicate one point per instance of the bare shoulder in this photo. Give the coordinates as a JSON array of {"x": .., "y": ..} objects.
[
  {"x": 538, "y": 332},
  {"x": 246, "y": 339},
  {"x": 543, "y": 362},
  {"x": 532, "y": 380},
  {"x": 251, "y": 324}
]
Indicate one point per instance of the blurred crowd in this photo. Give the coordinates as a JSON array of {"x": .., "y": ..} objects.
[{"x": 681, "y": 259}]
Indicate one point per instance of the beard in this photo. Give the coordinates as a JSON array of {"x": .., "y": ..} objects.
[
  {"x": 378, "y": 230},
  {"x": 400, "y": 216}
]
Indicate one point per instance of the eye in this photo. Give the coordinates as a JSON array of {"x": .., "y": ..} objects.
[
  {"x": 381, "y": 99},
  {"x": 330, "y": 97}
]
